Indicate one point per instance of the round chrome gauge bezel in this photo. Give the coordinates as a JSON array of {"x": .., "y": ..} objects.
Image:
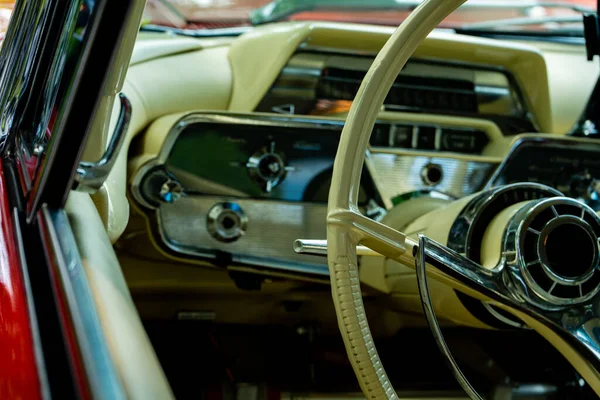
[
  {"x": 226, "y": 222},
  {"x": 272, "y": 180}
]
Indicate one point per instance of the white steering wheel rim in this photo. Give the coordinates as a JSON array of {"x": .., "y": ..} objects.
[{"x": 345, "y": 227}]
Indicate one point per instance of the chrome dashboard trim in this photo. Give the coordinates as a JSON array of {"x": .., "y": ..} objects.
[
  {"x": 301, "y": 75},
  {"x": 259, "y": 119},
  {"x": 246, "y": 250},
  {"x": 514, "y": 242},
  {"x": 544, "y": 141},
  {"x": 461, "y": 177},
  {"x": 100, "y": 368},
  {"x": 401, "y": 174},
  {"x": 266, "y": 244},
  {"x": 472, "y": 169}
]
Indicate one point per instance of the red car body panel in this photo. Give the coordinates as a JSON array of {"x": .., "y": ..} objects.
[{"x": 18, "y": 369}]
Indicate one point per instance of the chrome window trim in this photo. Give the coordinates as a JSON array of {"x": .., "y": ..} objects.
[{"x": 99, "y": 366}]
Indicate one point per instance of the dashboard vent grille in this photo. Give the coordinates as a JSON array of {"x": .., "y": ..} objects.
[
  {"x": 546, "y": 266},
  {"x": 325, "y": 84},
  {"x": 407, "y": 93},
  {"x": 429, "y": 137}
]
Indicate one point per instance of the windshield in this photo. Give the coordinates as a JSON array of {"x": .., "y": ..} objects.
[{"x": 560, "y": 17}]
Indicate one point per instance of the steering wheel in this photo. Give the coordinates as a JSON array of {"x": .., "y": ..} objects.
[{"x": 571, "y": 325}]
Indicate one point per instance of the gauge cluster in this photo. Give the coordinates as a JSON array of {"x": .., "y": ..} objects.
[
  {"x": 570, "y": 166},
  {"x": 241, "y": 189}
]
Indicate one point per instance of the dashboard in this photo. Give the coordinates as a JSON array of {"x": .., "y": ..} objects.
[
  {"x": 322, "y": 82},
  {"x": 242, "y": 188},
  {"x": 570, "y": 166},
  {"x": 233, "y": 185}
]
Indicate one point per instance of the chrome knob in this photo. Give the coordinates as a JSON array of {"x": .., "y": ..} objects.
[
  {"x": 226, "y": 222},
  {"x": 170, "y": 191},
  {"x": 267, "y": 168}
]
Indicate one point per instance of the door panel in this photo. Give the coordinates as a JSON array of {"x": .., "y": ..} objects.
[{"x": 128, "y": 344}]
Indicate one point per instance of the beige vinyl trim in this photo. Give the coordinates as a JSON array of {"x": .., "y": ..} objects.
[
  {"x": 258, "y": 57},
  {"x": 99, "y": 133},
  {"x": 155, "y": 91},
  {"x": 129, "y": 346}
]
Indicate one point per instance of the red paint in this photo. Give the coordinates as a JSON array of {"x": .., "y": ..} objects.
[
  {"x": 73, "y": 352},
  {"x": 18, "y": 371}
]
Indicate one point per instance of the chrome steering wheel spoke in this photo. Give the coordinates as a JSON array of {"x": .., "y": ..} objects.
[
  {"x": 469, "y": 276},
  {"x": 577, "y": 327}
]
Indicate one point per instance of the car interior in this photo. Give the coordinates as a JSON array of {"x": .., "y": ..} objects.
[{"x": 205, "y": 245}]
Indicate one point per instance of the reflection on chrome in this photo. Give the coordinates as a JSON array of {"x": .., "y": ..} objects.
[
  {"x": 91, "y": 176},
  {"x": 429, "y": 311},
  {"x": 576, "y": 321}
]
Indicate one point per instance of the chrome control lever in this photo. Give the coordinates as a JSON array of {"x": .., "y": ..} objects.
[
  {"x": 91, "y": 176},
  {"x": 319, "y": 248}
]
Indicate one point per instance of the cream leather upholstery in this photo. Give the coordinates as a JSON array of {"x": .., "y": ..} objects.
[{"x": 131, "y": 350}]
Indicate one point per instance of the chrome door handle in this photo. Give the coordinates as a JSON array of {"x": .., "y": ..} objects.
[{"x": 91, "y": 176}]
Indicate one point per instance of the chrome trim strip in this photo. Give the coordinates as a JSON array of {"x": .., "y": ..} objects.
[
  {"x": 462, "y": 177},
  {"x": 99, "y": 365},
  {"x": 300, "y": 78},
  {"x": 429, "y": 311}
]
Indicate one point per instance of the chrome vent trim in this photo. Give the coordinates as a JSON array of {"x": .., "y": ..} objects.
[
  {"x": 529, "y": 234},
  {"x": 313, "y": 78}
]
